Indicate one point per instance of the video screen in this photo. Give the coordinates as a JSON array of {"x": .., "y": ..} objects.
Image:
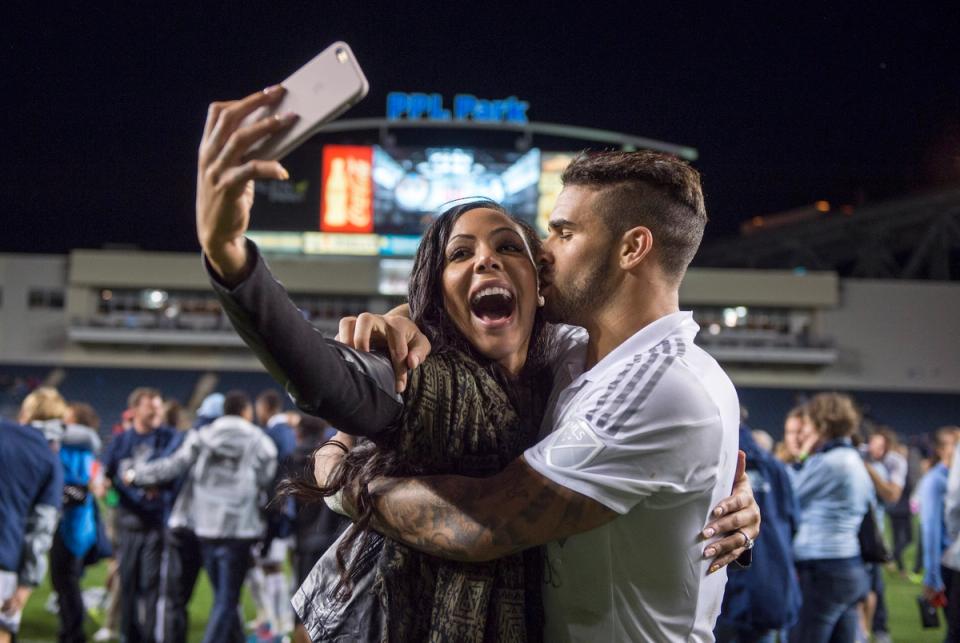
[
  {"x": 411, "y": 186},
  {"x": 551, "y": 169},
  {"x": 371, "y": 200}
]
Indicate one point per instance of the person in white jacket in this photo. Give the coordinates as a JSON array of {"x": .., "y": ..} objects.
[{"x": 231, "y": 462}]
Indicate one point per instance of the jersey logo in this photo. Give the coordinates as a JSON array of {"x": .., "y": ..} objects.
[{"x": 574, "y": 444}]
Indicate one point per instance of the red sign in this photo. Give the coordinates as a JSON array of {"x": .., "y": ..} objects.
[{"x": 346, "y": 204}]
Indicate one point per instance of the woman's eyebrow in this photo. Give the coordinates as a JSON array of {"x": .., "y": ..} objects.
[{"x": 471, "y": 237}]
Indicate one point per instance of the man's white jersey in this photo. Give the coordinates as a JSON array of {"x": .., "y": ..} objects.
[{"x": 651, "y": 432}]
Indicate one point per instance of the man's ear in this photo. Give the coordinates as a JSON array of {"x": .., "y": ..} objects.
[{"x": 635, "y": 245}]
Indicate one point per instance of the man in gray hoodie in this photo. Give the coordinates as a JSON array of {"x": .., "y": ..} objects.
[{"x": 230, "y": 463}]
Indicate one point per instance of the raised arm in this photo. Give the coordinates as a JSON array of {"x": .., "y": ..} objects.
[
  {"x": 323, "y": 377},
  {"x": 886, "y": 491},
  {"x": 354, "y": 391}
]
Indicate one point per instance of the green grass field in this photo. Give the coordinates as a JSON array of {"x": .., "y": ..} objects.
[
  {"x": 904, "y": 614},
  {"x": 40, "y": 625}
]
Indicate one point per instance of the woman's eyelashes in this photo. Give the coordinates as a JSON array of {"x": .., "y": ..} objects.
[
  {"x": 463, "y": 253},
  {"x": 510, "y": 244}
]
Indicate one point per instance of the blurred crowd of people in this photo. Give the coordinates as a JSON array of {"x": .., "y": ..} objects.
[
  {"x": 839, "y": 496},
  {"x": 167, "y": 497},
  {"x": 164, "y": 499}
]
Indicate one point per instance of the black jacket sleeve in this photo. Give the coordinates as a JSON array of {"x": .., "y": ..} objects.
[{"x": 353, "y": 391}]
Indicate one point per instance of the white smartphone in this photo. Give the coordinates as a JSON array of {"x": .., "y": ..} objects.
[{"x": 318, "y": 92}]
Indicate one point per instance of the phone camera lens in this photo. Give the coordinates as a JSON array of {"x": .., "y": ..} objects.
[{"x": 341, "y": 54}]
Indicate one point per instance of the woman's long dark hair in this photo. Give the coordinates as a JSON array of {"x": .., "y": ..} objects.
[{"x": 369, "y": 460}]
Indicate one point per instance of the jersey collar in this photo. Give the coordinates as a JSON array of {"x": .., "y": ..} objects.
[{"x": 679, "y": 323}]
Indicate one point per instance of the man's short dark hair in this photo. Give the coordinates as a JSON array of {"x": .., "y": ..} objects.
[
  {"x": 271, "y": 399},
  {"x": 141, "y": 392},
  {"x": 649, "y": 189},
  {"x": 235, "y": 403}
]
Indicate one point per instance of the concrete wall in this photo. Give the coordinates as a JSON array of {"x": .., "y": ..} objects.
[
  {"x": 767, "y": 288},
  {"x": 892, "y": 335},
  {"x": 128, "y": 269},
  {"x": 27, "y": 334}
]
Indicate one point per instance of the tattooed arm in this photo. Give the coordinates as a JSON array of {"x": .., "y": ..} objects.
[{"x": 477, "y": 519}]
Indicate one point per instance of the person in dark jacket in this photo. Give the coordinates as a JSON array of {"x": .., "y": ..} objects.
[
  {"x": 267, "y": 581},
  {"x": 764, "y": 599},
  {"x": 182, "y": 558},
  {"x": 31, "y": 489},
  {"x": 315, "y": 526},
  {"x": 230, "y": 463},
  {"x": 139, "y": 515}
]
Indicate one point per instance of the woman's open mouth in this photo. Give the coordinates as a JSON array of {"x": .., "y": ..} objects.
[{"x": 493, "y": 306}]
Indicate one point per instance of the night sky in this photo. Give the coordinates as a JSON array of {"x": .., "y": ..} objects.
[{"x": 849, "y": 103}]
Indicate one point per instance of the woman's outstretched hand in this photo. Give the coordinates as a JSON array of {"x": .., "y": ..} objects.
[{"x": 225, "y": 177}]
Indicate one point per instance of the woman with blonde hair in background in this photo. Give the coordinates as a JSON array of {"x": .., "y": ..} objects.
[{"x": 44, "y": 409}]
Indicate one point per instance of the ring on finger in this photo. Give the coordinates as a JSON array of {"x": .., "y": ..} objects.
[{"x": 747, "y": 540}]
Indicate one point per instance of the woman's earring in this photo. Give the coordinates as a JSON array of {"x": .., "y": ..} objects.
[{"x": 540, "y": 301}]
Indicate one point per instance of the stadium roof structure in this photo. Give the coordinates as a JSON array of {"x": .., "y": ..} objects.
[
  {"x": 526, "y": 130},
  {"x": 912, "y": 238}
]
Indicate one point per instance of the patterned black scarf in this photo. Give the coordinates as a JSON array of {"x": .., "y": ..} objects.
[{"x": 460, "y": 420}]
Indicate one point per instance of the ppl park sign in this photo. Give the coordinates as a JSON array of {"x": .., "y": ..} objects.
[{"x": 466, "y": 107}]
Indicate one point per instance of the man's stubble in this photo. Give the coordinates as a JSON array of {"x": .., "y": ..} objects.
[{"x": 574, "y": 301}]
